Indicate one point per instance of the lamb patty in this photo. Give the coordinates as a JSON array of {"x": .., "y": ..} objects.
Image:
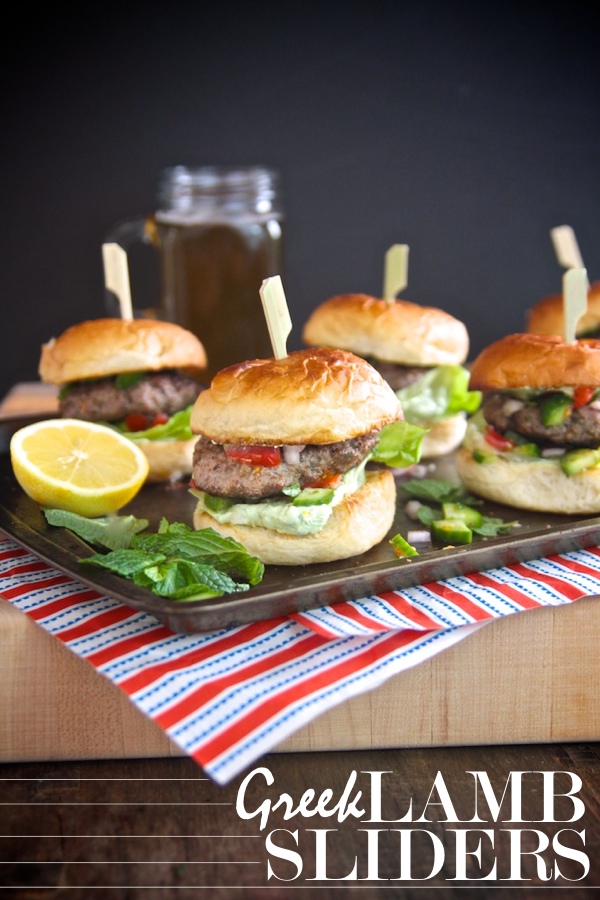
[
  {"x": 580, "y": 429},
  {"x": 102, "y": 401},
  {"x": 216, "y": 474},
  {"x": 398, "y": 376}
]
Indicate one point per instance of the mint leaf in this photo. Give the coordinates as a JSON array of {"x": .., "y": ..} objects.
[
  {"x": 437, "y": 491},
  {"x": 181, "y": 578},
  {"x": 113, "y": 532},
  {"x": 127, "y": 563},
  {"x": 204, "y": 545}
]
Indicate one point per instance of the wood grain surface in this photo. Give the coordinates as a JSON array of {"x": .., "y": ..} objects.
[{"x": 158, "y": 828}]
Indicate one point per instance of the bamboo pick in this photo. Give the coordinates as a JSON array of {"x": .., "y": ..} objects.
[
  {"x": 116, "y": 277},
  {"x": 575, "y": 296},
  {"x": 566, "y": 247},
  {"x": 395, "y": 276},
  {"x": 277, "y": 314}
]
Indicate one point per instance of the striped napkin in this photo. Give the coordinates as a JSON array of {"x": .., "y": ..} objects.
[{"x": 228, "y": 697}]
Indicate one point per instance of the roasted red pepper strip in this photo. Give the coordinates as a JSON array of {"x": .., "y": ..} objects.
[
  {"x": 140, "y": 421},
  {"x": 497, "y": 440},
  {"x": 582, "y": 395},
  {"x": 254, "y": 455},
  {"x": 328, "y": 480}
]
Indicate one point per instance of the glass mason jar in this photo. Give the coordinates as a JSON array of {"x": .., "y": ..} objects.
[{"x": 218, "y": 233}]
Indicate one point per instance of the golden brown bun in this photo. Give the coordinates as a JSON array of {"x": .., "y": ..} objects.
[
  {"x": 314, "y": 396},
  {"x": 169, "y": 460},
  {"x": 444, "y": 436},
  {"x": 101, "y": 347},
  {"x": 359, "y": 522},
  {"x": 547, "y": 316},
  {"x": 540, "y": 485},
  {"x": 398, "y": 332},
  {"x": 536, "y": 361}
]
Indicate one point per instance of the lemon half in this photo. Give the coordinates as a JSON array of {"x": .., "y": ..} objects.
[{"x": 76, "y": 465}]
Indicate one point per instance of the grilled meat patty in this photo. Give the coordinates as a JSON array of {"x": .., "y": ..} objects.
[
  {"x": 580, "y": 429},
  {"x": 102, "y": 401},
  {"x": 398, "y": 376},
  {"x": 216, "y": 474}
]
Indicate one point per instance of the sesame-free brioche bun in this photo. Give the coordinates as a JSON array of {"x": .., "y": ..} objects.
[
  {"x": 356, "y": 524},
  {"x": 443, "y": 436},
  {"x": 98, "y": 348},
  {"x": 168, "y": 460},
  {"x": 397, "y": 332},
  {"x": 541, "y": 485},
  {"x": 312, "y": 396},
  {"x": 536, "y": 361},
  {"x": 547, "y": 316}
]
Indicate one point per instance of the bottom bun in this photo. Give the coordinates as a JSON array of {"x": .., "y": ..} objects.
[
  {"x": 359, "y": 522},
  {"x": 540, "y": 485},
  {"x": 168, "y": 460},
  {"x": 443, "y": 436}
]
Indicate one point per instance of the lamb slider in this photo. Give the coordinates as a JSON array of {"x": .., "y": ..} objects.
[{"x": 294, "y": 454}]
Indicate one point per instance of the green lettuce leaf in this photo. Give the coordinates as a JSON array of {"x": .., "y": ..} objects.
[
  {"x": 399, "y": 445},
  {"x": 440, "y": 392},
  {"x": 177, "y": 428}
]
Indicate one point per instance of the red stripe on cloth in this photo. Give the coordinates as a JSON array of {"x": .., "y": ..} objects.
[
  {"x": 347, "y": 610},
  {"x": 191, "y": 703},
  {"x": 54, "y": 607},
  {"x": 269, "y": 709},
  {"x": 576, "y": 566},
  {"x": 571, "y": 591},
  {"x": 439, "y": 589},
  {"x": 131, "y": 643},
  {"x": 12, "y": 553},
  {"x": 510, "y": 592},
  {"x": 414, "y": 614},
  {"x": 228, "y": 641},
  {"x": 26, "y": 588},
  {"x": 96, "y": 622}
]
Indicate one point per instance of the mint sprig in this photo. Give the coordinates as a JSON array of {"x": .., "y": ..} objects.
[{"x": 177, "y": 562}]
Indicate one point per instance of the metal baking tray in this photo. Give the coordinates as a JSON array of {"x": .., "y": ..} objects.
[{"x": 286, "y": 589}]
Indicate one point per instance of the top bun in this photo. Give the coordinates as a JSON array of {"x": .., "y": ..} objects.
[
  {"x": 397, "y": 332},
  {"x": 547, "y": 316},
  {"x": 314, "y": 396},
  {"x": 536, "y": 361},
  {"x": 102, "y": 347}
]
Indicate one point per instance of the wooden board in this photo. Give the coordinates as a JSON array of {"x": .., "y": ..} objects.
[{"x": 527, "y": 678}]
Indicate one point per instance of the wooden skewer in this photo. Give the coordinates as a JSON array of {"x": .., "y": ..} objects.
[
  {"x": 395, "y": 276},
  {"x": 566, "y": 247},
  {"x": 277, "y": 314},
  {"x": 575, "y": 298},
  {"x": 116, "y": 277}
]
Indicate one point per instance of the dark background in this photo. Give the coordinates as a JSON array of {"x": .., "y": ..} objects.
[{"x": 466, "y": 131}]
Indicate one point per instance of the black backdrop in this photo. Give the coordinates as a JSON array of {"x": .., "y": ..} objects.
[{"x": 466, "y": 131}]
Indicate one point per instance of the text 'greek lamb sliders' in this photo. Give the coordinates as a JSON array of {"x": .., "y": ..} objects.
[
  {"x": 535, "y": 442},
  {"x": 548, "y": 316},
  {"x": 280, "y": 464},
  {"x": 419, "y": 350},
  {"x": 141, "y": 377}
]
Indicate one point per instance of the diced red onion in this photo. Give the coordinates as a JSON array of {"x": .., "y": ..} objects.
[
  {"x": 418, "y": 537},
  {"x": 291, "y": 453},
  {"x": 512, "y": 405},
  {"x": 549, "y": 452},
  {"x": 412, "y": 509}
]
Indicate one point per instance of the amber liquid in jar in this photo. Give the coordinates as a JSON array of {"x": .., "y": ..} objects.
[{"x": 219, "y": 235}]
